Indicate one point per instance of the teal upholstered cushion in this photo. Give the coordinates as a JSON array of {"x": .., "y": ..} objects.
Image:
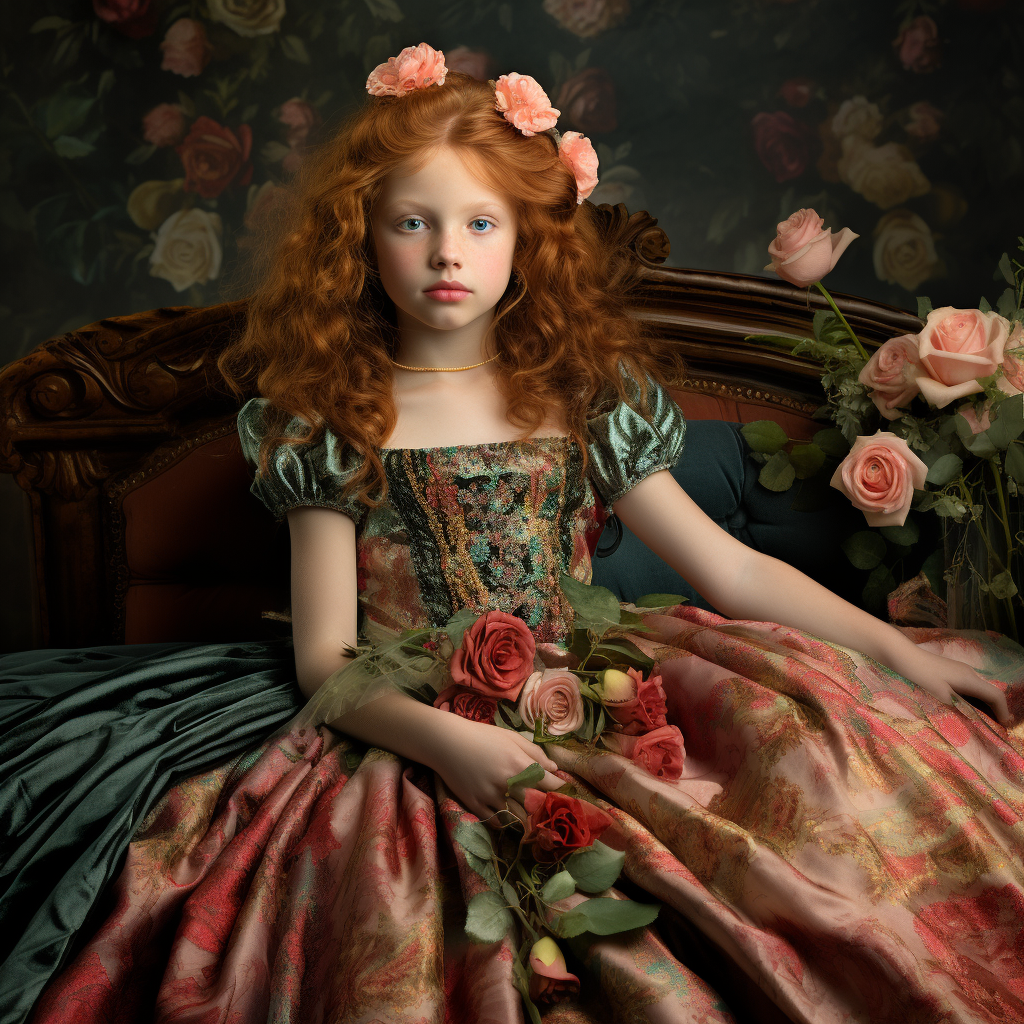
[{"x": 716, "y": 471}]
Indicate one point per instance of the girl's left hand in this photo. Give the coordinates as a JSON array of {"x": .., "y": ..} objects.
[{"x": 944, "y": 678}]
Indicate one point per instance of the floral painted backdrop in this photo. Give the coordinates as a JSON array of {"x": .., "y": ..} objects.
[{"x": 139, "y": 136}]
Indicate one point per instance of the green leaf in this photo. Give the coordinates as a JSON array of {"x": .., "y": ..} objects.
[
  {"x": 807, "y": 459},
  {"x": 879, "y": 586},
  {"x": 659, "y": 600},
  {"x": 71, "y": 148},
  {"x": 557, "y": 887},
  {"x": 385, "y": 10},
  {"x": 1002, "y": 586},
  {"x": 474, "y": 837},
  {"x": 596, "y": 867},
  {"x": 1013, "y": 461},
  {"x": 764, "y": 436},
  {"x": 51, "y": 23},
  {"x": 295, "y": 49},
  {"x": 932, "y": 567},
  {"x": 487, "y": 918},
  {"x": 907, "y": 534},
  {"x": 457, "y": 625},
  {"x": 527, "y": 778},
  {"x": 821, "y": 318},
  {"x": 832, "y": 443},
  {"x": 604, "y": 916},
  {"x": 187, "y": 104},
  {"x": 65, "y": 114},
  {"x": 596, "y": 608},
  {"x": 865, "y": 549},
  {"x": 947, "y": 468},
  {"x": 1007, "y": 303},
  {"x": 616, "y": 649},
  {"x": 924, "y": 306},
  {"x": 1004, "y": 267},
  {"x": 778, "y": 473},
  {"x": 984, "y": 305},
  {"x": 105, "y": 83},
  {"x": 786, "y": 341},
  {"x": 1007, "y": 422}
]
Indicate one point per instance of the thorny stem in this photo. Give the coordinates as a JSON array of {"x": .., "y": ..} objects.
[{"x": 849, "y": 329}]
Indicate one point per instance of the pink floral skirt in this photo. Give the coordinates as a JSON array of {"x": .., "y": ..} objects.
[{"x": 841, "y": 847}]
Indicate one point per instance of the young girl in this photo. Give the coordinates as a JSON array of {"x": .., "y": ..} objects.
[{"x": 450, "y": 384}]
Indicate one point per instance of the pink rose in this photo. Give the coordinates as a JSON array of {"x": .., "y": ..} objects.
[
  {"x": 524, "y": 103},
  {"x": 549, "y": 980},
  {"x": 797, "y": 92},
  {"x": 925, "y": 121},
  {"x": 475, "y": 63},
  {"x": 783, "y": 144},
  {"x": 1012, "y": 380},
  {"x": 643, "y": 710},
  {"x": 587, "y": 18},
  {"x": 415, "y": 67},
  {"x": 956, "y": 347},
  {"x": 554, "y": 696},
  {"x": 300, "y": 117},
  {"x": 918, "y": 45},
  {"x": 660, "y": 752},
  {"x": 185, "y": 47},
  {"x": 879, "y": 476},
  {"x": 132, "y": 18},
  {"x": 496, "y": 656},
  {"x": 467, "y": 703},
  {"x": 588, "y": 101},
  {"x": 892, "y": 373},
  {"x": 804, "y": 251},
  {"x": 577, "y": 153},
  {"x": 164, "y": 125}
]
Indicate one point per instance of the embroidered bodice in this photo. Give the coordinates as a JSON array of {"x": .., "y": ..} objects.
[{"x": 483, "y": 525}]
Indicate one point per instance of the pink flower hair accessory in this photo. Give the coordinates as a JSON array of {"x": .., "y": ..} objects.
[
  {"x": 415, "y": 67},
  {"x": 523, "y": 102},
  {"x": 577, "y": 153}
]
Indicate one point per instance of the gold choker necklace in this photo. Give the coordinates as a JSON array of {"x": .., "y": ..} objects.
[{"x": 442, "y": 369}]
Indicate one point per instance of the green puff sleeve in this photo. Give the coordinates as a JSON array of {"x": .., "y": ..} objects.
[
  {"x": 306, "y": 474},
  {"x": 624, "y": 448}
]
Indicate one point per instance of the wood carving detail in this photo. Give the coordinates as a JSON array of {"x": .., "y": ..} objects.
[{"x": 638, "y": 231}]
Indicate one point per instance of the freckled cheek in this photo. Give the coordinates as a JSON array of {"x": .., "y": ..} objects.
[{"x": 400, "y": 266}]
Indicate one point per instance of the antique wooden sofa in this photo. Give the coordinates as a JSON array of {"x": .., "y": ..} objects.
[{"x": 144, "y": 528}]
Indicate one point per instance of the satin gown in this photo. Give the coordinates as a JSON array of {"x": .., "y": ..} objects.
[{"x": 841, "y": 845}]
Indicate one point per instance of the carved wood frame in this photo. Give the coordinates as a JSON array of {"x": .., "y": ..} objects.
[{"x": 86, "y": 416}]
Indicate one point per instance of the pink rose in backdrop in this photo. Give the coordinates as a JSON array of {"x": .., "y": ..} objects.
[
  {"x": 918, "y": 45},
  {"x": 554, "y": 695},
  {"x": 783, "y": 144},
  {"x": 957, "y": 346},
  {"x": 804, "y": 251},
  {"x": 638, "y": 705},
  {"x": 186, "y": 48},
  {"x": 892, "y": 373},
  {"x": 577, "y": 153},
  {"x": 660, "y": 752},
  {"x": 797, "y": 92},
  {"x": 879, "y": 476},
  {"x": 475, "y": 63},
  {"x": 496, "y": 656},
  {"x": 467, "y": 703},
  {"x": 524, "y": 103},
  {"x": 132, "y": 18},
  {"x": 925, "y": 121},
  {"x": 164, "y": 125},
  {"x": 588, "y": 101},
  {"x": 300, "y": 117},
  {"x": 415, "y": 67}
]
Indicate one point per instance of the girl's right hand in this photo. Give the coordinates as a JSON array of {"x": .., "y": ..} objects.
[{"x": 477, "y": 760}]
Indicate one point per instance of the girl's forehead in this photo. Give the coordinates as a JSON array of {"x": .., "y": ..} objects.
[{"x": 442, "y": 172}]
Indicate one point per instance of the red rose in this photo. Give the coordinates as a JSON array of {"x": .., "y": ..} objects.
[
  {"x": 783, "y": 144},
  {"x": 918, "y": 45},
  {"x": 133, "y": 18},
  {"x": 496, "y": 656},
  {"x": 467, "y": 704},
  {"x": 557, "y": 824},
  {"x": 214, "y": 156},
  {"x": 645, "y": 710},
  {"x": 588, "y": 101},
  {"x": 797, "y": 92},
  {"x": 659, "y": 752}
]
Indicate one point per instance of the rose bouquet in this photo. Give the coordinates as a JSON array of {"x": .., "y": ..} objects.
[{"x": 900, "y": 444}]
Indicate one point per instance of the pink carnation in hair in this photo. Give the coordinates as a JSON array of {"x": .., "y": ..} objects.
[
  {"x": 415, "y": 67},
  {"x": 577, "y": 153},
  {"x": 523, "y": 102}
]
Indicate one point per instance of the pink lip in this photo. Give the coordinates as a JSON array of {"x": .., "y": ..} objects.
[{"x": 447, "y": 286}]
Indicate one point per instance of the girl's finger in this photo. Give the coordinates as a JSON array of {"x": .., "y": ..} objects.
[{"x": 989, "y": 693}]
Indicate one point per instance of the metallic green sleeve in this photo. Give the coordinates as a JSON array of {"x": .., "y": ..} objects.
[
  {"x": 624, "y": 448},
  {"x": 305, "y": 474}
]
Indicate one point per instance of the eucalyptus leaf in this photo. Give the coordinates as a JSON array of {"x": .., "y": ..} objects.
[
  {"x": 865, "y": 549},
  {"x": 832, "y": 442},
  {"x": 1006, "y": 269},
  {"x": 487, "y": 918},
  {"x": 924, "y": 306},
  {"x": 527, "y": 778},
  {"x": 1013, "y": 461},
  {"x": 984, "y": 305},
  {"x": 778, "y": 473},
  {"x": 947, "y": 468},
  {"x": 807, "y": 459},
  {"x": 604, "y": 916},
  {"x": 1007, "y": 422},
  {"x": 596, "y": 867},
  {"x": 881, "y": 583},
  {"x": 557, "y": 887},
  {"x": 764, "y": 436},
  {"x": 1002, "y": 586},
  {"x": 1006, "y": 303},
  {"x": 907, "y": 534}
]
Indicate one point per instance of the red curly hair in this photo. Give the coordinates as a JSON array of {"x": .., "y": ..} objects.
[{"x": 320, "y": 331}]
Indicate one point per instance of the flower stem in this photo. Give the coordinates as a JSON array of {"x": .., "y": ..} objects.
[{"x": 849, "y": 329}]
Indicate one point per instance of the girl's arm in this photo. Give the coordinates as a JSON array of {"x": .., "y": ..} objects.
[
  {"x": 747, "y": 584},
  {"x": 473, "y": 758}
]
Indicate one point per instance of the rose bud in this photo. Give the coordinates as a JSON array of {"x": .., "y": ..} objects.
[
  {"x": 645, "y": 710},
  {"x": 804, "y": 251},
  {"x": 616, "y": 685},
  {"x": 549, "y": 979}
]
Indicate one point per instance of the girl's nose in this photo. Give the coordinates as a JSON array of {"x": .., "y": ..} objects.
[{"x": 448, "y": 252}]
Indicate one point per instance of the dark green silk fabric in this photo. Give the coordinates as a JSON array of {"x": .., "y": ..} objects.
[{"x": 89, "y": 741}]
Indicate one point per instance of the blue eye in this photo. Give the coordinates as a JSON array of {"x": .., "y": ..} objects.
[
  {"x": 411, "y": 220},
  {"x": 481, "y": 220}
]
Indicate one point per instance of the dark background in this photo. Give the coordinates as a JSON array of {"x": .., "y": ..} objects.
[{"x": 717, "y": 116}]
